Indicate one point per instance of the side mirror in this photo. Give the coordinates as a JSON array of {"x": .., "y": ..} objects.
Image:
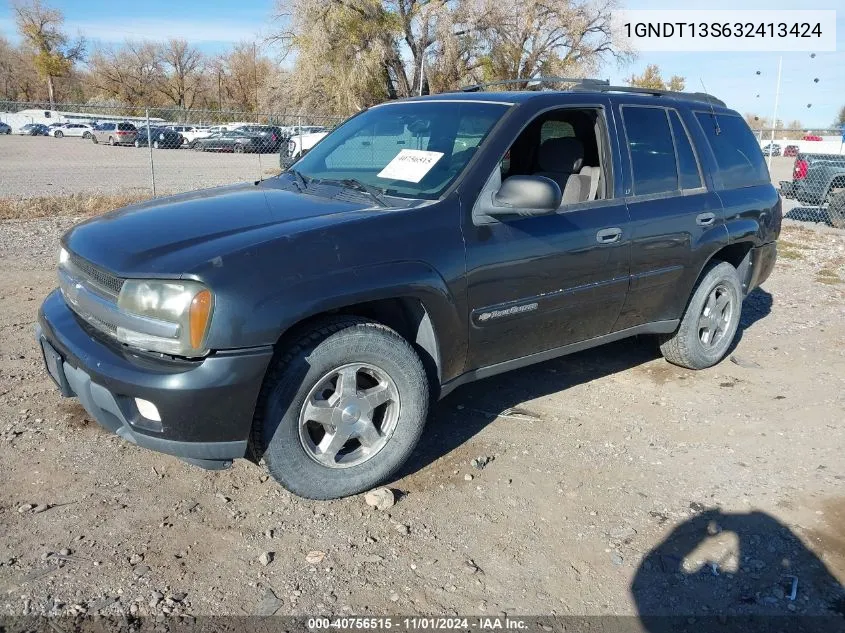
[{"x": 526, "y": 196}]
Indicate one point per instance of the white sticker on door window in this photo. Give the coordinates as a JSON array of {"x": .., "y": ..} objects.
[{"x": 410, "y": 165}]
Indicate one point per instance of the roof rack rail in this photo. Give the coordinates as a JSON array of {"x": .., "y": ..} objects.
[
  {"x": 581, "y": 81},
  {"x": 688, "y": 96}
]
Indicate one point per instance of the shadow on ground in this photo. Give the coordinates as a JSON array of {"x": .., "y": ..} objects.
[
  {"x": 484, "y": 401},
  {"x": 727, "y": 572}
]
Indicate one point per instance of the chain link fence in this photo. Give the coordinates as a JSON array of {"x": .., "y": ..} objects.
[
  {"x": 808, "y": 167},
  {"x": 90, "y": 149}
]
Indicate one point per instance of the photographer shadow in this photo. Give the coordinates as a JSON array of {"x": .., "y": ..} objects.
[{"x": 736, "y": 571}]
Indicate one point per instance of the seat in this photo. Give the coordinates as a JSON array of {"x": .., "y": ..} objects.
[{"x": 560, "y": 158}]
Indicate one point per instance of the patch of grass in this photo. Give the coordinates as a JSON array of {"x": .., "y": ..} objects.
[
  {"x": 828, "y": 276},
  {"x": 74, "y": 204},
  {"x": 787, "y": 252}
]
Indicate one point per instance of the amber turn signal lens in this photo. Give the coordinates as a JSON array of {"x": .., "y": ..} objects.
[{"x": 199, "y": 317}]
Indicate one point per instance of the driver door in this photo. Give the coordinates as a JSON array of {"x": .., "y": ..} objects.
[{"x": 537, "y": 283}]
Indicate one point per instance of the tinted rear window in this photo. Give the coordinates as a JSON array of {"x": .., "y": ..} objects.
[
  {"x": 126, "y": 127},
  {"x": 687, "y": 163},
  {"x": 737, "y": 151},
  {"x": 653, "y": 159}
]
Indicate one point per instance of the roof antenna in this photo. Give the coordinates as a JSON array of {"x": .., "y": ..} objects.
[{"x": 712, "y": 111}]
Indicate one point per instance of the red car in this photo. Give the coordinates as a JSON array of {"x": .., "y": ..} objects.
[
  {"x": 790, "y": 150},
  {"x": 812, "y": 137}
]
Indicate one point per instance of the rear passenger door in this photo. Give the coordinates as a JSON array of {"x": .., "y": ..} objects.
[{"x": 676, "y": 219}]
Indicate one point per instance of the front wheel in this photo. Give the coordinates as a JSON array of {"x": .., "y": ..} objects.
[
  {"x": 111, "y": 141},
  {"x": 58, "y": 134},
  {"x": 94, "y": 138},
  {"x": 155, "y": 145},
  {"x": 137, "y": 143},
  {"x": 709, "y": 324},
  {"x": 239, "y": 149},
  {"x": 342, "y": 409},
  {"x": 86, "y": 135}
]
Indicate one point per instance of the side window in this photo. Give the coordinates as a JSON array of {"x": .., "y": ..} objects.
[
  {"x": 652, "y": 152},
  {"x": 737, "y": 152},
  {"x": 687, "y": 163}
]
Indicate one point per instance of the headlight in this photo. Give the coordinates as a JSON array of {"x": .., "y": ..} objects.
[{"x": 188, "y": 304}]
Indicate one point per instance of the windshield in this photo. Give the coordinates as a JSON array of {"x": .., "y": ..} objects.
[{"x": 413, "y": 149}]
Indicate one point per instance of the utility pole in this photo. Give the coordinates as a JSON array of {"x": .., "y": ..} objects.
[{"x": 775, "y": 114}]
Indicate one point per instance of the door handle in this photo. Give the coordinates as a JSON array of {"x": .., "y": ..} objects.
[
  {"x": 705, "y": 219},
  {"x": 608, "y": 236}
]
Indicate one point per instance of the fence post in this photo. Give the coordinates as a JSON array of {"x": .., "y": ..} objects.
[{"x": 152, "y": 164}]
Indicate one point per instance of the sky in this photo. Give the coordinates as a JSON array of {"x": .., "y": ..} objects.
[{"x": 214, "y": 25}]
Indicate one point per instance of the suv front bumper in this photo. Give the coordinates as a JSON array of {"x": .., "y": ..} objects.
[{"x": 206, "y": 406}]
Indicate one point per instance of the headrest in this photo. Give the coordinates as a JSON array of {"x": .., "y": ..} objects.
[{"x": 561, "y": 155}]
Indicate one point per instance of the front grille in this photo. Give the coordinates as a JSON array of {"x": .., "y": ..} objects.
[{"x": 102, "y": 280}]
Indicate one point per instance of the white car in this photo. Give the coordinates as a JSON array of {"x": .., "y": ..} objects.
[
  {"x": 297, "y": 145},
  {"x": 191, "y": 132},
  {"x": 72, "y": 129}
]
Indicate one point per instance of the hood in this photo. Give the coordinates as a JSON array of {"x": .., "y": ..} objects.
[{"x": 174, "y": 235}]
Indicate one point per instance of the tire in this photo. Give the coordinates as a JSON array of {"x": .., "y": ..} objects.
[
  {"x": 58, "y": 134},
  {"x": 836, "y": 210},
  {"x": 111, "y": 141},
  {"x": 330, "y": 347},
  {"x": 688, "y": 345},
  {"x": 137, "y": 144},
  {"x": 239, "y": 149},
  {"x": 94, "y": 138},
  {"x": 86, "y": 135},
  {"x": 155, "y": 145}
]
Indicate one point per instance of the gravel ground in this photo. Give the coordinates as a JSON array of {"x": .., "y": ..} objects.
[
  {"x": 41, "y": 165},
  {"x": 610, "y": 482}
]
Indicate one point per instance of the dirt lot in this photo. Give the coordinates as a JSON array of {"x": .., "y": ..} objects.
[
  {"x": 619, "y": 484},
  {"x": 41, "y": 166}
]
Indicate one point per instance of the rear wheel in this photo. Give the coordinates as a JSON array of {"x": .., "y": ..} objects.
[
  {"x": 111, "y": 141},
  {"x": 137, "y": 143},
  {"x": 59, "y": 134},
  {"x": 836, "y": 210},
  {"x": 86, "y": 135},
  {"x": 155, "y": 145},
  {"x": 239, "y": 149},
  {"x": 709, "y": 325},
  {"x": 342, "y": 409}
]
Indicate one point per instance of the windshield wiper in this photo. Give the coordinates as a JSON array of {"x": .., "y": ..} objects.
[
  {"x": 374, "y": 192},
  {"x": 301, "y": 182}
]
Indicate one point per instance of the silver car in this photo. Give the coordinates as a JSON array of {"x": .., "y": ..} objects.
[
  {"x": 72, "y": 129},
  {"x": 115, "y": 133}
]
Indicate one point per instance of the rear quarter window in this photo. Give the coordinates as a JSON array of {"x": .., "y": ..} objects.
[{"x": 737, "y": 152}]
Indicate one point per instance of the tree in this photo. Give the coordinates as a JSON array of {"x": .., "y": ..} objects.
[
  {"x": 41, "y": 29},
  {"x": 131, "y": 74},
  {"x": 523, "y": 39},
  {"x": 840, "y": 118},
  {"x": 651, "y": 78},
  {"x": 182, "y": 68},
  {"x": 350, "y": 53}
]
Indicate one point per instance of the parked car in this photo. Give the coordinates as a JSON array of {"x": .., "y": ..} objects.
[
  {"x": 307, "y": 319},
  {"x": 190, "y": 133},
  {"x": 272, "y": 136},
  {"x": 34, "y": 129},
  {"x": 163, "y": 138},
  {"x": 82, "y": 130},
  {"x": 790, "y": 150},
  {"x": 232, "y": 141},
  {"x": 817, "y": 179},
  {"x": 297, "y": 146},
  {"x": 115, "y": 133},
  {"x": 5, "y": 128},
  {"x": 771, "y": 149}
]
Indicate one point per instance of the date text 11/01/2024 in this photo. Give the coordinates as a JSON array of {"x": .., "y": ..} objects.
[{"x": 419, "y": 623}]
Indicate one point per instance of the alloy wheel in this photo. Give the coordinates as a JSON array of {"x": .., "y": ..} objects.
[
  {"x": 349, "y": 415},
  {"x": 715, "y": 316}
]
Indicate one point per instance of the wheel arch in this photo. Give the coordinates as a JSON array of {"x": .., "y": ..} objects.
[
  {"x": 737, "y": 254},
  {"x": 408, "y": 315}
]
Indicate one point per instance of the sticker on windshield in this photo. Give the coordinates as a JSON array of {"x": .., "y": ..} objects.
[{"x": 410, "y": 165}]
